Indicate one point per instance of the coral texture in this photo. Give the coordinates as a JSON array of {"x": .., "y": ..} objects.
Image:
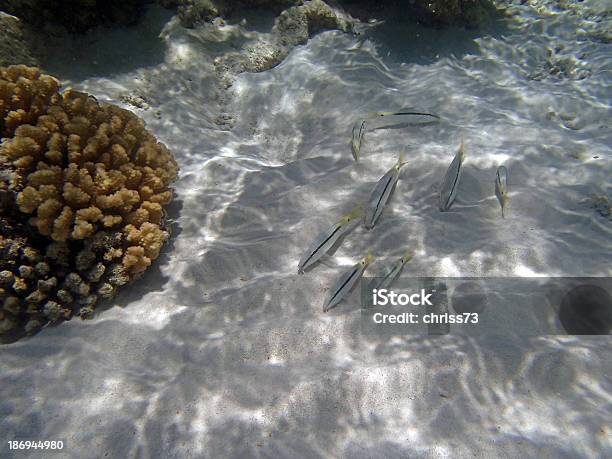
[
  {"x": 83, "y": 187},
  {"x": 25, "y": 94}
]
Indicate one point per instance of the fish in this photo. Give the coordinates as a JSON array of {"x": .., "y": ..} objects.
[
  {"x": 346, "y": 281},
  {"x": 359, "y": 129},
  {"x": 325, "y": 240},
  {"x": 404, "y": 116},
  {"x": 386, "y": 280},
  {"x": 381, "y": 193},
  {"x": 448, "y": 190},
  {"x": 501, "y": 190},
  {"x": 385, "y": 119}
]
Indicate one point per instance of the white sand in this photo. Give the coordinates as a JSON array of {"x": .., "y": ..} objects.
[{"x": 221, "y": 350}]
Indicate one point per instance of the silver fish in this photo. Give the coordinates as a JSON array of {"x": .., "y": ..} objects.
[
  {"x": 404, "y": 116},
  {"x": 448, "y": 190},
  {"x": 359, "y": 129},
  {"x": 386, "y": 280},
  {"x": 381, "y": 193},
  {"x": 325, "y": 240},
  {"x": 385, "y": 119},
  {"x": 501, "y": 187},
  {"x": 345, "y": 283}
]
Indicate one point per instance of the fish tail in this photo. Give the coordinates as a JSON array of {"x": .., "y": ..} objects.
[
  {"x": 462, "y": 149},
  {"x": 369, "y": 258}
]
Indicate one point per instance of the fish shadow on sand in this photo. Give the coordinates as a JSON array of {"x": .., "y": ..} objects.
[{"x": 472, "y": 190}]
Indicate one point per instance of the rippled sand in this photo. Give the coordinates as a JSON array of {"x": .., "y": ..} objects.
[{"x": 222, "y": 350}]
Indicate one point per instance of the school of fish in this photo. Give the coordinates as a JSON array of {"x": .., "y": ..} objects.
[{"x": 371, "y": 211}]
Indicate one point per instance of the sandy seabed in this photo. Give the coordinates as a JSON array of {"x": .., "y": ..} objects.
[{"x": 222, "y": 350}]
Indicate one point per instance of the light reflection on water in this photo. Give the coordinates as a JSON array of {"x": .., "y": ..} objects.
[{"x": 222, "y": 350}]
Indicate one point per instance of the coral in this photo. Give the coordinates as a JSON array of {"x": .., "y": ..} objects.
[
  {"x": 26, "y": 283},
  {"x": 86, "y": 167},
  {"x": 83, "y": 188},
  {"x": 25, "y": 94}
]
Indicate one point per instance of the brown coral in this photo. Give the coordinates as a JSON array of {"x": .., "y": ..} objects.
[
  {"x": 25, "y": 94},
  {"x": 91, "y": 183},
  {"x": 86, "y": 167},
  {"x": 27, "y": 284}
]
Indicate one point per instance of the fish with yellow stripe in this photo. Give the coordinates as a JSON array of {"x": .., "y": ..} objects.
[
  {"x": 501, "y": 188},
  {"x": 326, "y": 239},
  {"x": 346, "y": 282},
  {"x": 378, "y": 120},
  {"x": 386, "y": 280},
  {"x": 450, "y": 184},
  {"x": 381, "y": 193}
]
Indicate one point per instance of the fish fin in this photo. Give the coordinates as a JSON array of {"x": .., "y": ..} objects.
[
  {"x": 358, "y": 132},
  {"x": 355, "y": 152},
  {"x": 462, "y": 149},
  {"x": 402, "y": 160},
  {"x": 408, "y": 254}
]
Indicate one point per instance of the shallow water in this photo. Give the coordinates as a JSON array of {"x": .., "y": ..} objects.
[{"x": 222, "y": 349}]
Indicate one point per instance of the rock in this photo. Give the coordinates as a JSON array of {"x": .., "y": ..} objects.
[
  {"x": 192, "y": 12},
  {"x": 15, "y": 47},
  {"x": 294, "y": 26}
]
